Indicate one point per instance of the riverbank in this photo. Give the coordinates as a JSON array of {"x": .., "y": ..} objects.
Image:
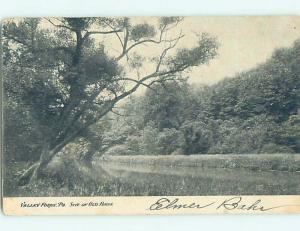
[{"x": 254, "y": 162}]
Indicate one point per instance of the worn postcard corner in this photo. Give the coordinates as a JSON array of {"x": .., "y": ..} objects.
[{"x": 150, "y": 115}]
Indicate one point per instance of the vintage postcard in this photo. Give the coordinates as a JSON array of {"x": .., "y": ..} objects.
[{"x": 150, "y": 115}]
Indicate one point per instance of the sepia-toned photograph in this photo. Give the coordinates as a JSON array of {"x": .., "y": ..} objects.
[{"x": 150, "y": 106}]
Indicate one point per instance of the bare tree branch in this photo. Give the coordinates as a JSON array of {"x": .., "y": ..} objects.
[
  {"x": 126, "y": 50},
  {"x": 136, "y": 81},
  {"x": 88, "y": 33},
  {"x": 59, "y": 25},
  {"x": 117, "y": 113}
]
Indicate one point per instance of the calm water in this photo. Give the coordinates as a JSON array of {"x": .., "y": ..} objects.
[{"x": 147, "y": 180}]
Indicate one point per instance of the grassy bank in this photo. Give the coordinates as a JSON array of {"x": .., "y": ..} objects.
[
  {"x": 255, "y": 162},
  {"x": 77, "y": 181},
  {"x": 164, "y": 175}
]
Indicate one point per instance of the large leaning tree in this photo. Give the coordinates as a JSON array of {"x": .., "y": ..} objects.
[{"x": 70, "y": 72}]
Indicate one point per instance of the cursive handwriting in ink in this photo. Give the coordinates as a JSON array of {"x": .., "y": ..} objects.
[
  {"x": 235, "y": 203},
  {"x": 232, "y": 203},
  {"x": 165, "y": 203}
]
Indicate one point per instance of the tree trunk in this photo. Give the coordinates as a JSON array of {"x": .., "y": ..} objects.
[{"x": 35, "y": 171}]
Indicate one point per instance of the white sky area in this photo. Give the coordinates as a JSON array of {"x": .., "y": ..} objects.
[{"x": 244, "y": 42}]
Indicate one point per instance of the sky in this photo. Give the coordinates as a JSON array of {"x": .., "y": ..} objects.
[{"x": 244, "y": 42}]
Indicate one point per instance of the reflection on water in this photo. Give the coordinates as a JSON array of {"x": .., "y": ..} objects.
[{"x": 150, "y": 180}]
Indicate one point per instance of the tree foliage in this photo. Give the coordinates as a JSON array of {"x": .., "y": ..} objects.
[
  {"x": 254, "y": 112},
  {"x": 60, "y": 72}
]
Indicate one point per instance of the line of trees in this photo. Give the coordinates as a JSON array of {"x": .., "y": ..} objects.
[{"x": 255, "y": 112}]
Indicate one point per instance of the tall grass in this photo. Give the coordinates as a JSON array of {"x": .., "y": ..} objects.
[{"x": 256, "y": 162}]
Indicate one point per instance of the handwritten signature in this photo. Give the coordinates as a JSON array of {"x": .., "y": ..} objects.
[{"x": 233, "y": 203}]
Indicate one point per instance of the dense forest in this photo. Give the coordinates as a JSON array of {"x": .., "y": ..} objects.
[{"x": 256, "y": 111}]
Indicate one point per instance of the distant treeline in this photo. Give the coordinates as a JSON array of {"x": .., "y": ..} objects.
[{"x": 254, "y": 112}]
